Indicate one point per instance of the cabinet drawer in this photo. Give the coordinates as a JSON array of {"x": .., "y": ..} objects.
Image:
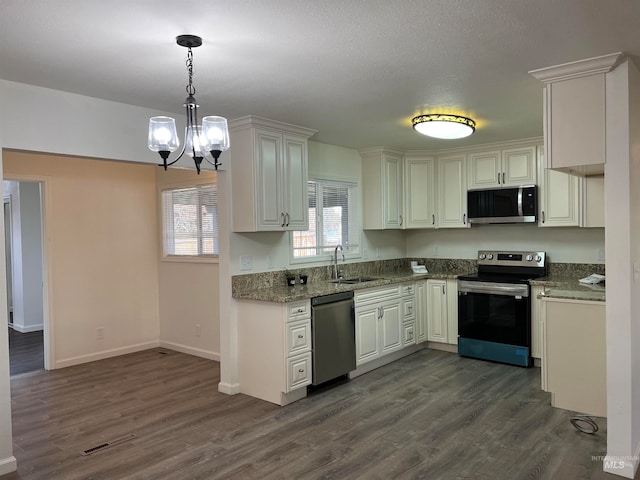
[
  {"x": 297, "y": 310},
  {"x": 369, "y": 295},
  {"x": 298, "y": 337},
  {"x": 408, "y": 308},
  {"x": 409, "y": 337},
  {"x": 298, "y": 371},
  {"x": 408, "y": 289}
]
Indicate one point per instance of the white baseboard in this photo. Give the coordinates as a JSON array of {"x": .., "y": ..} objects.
[
  {"x": 229, "y": 388},
  {"x": 196, "y": 352},
  {"x": 384, "y": 360},
  {"x": 23, "y": 329},
  {"x": 8, "y": 465},
  {"x": 443, "y": 347},
  {"x": 622, "y": 465},
  {"x": 114, "y": 352}
]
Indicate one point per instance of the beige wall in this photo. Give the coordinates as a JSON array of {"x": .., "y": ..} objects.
[
  {"x": 189, "y": 291},
  {"x": 102, "y": 248}
]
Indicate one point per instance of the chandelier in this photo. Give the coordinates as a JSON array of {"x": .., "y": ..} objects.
[
  {"x": 204, "y": 141},
  {"x": 444, "y": 126}
]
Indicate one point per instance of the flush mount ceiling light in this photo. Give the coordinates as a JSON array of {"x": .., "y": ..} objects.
[
  {"x": 444, "y": 126},
  {"x": 201, "y": 141}
]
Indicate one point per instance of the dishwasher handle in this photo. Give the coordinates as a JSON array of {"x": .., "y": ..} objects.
[{"x": 334, "y": 297}]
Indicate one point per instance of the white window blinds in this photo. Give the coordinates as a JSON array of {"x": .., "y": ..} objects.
[
  {"x": 190, "y": 221},
  {"x": 334, "y": 219}
]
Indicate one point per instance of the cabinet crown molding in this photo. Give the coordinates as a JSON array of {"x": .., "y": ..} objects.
[
  {"x": 249, "y": 121},
  {"x": 579, "y": 68}
]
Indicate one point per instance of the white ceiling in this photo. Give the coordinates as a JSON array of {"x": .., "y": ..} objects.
[{"x": 355, "y": 70}]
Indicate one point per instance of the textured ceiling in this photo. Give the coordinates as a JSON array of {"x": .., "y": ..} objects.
[{"x": 355, "y": 70}]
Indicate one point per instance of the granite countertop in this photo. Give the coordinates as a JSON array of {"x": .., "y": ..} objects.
[
  {"x": 326, "y": 287},
  {"x": 569, "y": 288}
]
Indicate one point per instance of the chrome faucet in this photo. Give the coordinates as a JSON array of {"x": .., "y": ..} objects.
[{"x": 336, "y": 273}]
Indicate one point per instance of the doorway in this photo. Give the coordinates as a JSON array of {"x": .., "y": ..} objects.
[{"x": 23, "y": 224}]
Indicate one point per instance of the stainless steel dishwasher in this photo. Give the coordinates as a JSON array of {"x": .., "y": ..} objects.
[{"x": 333, "y": 334}]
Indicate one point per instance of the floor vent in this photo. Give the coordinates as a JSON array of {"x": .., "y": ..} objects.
[{"x": 108, "y": 444}]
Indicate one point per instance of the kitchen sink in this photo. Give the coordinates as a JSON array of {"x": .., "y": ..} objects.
[{"x": 355, "y": 280}]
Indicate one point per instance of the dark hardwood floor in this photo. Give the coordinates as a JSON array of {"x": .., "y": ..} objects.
[
  {"x": 26, "y": 352},
  {"x": 432, "y": 415}
]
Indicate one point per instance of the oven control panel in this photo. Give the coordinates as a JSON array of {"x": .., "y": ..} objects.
[{"x": 516, "y": 259}]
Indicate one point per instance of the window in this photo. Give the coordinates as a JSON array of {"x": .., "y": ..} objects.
[
  {"x": 334, "y": 219},
  {"x": 190, "y": 221}
]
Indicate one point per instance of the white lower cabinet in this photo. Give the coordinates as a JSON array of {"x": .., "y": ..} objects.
[
  {"x": 437, "y": 311},
  {"x": 442, "y": 311},
  {"x": 274, "y": 349},
  {"x": 385, "y": 320},
  {"x": 421, "y": 311}
]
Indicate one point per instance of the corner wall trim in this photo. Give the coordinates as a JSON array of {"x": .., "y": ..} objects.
[
  {"x": 196, "y": 352},
  {"x": 8, "y": 465},
  {"x": 229, "y": 389},
  {"x": 114, "y": 352}
]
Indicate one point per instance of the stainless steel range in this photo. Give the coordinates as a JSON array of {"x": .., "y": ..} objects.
[{"x": 494, "y": 307}]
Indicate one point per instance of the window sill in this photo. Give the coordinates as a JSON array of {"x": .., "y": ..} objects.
[{"x": 189, "y": 259}]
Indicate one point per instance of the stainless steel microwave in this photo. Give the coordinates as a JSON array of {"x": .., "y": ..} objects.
[{"x": 503, "y": 205}]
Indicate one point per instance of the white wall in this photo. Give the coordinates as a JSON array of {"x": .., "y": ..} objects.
[
  {"x": 7, "y": 460},
  {"x": 26, "y": 255},
  {"x": 622, "y": 214}
]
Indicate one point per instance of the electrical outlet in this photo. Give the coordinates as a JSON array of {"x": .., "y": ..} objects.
[
  {"x": 601, "y": 254},
  {"x": 270, "y": 262},
  {"x": 198, "y": 330},
  {"x": 436, "y": 251},
  {"x": 246, "y": 262},
  {"x": 99, "y": 333}
]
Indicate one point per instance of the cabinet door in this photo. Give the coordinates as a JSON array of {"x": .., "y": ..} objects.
[
  {"x": 536, "y": 321},
  {"x": 484, "y": 170},
  {"x": 269, "y": 180},
  {"x": 421, "y": 311},
  {"x": 367, "y": 343},
  {"x": 295, "y": 202},
  {"x": 437, "y": 311},
  {"x": 575, "y": 126},
  {"x": 559, "y": 200},
  {"x": 452, "y": 311},
  {"x": 519, "y": 166},
  {"x": 391, "y": 326},
  {"x": 452, "y": 192},
  {"x": 392, "y": 191},
  {"x": 419, "y": 193}
]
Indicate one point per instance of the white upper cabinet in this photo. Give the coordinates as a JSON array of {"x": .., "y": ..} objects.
[
  {"x": 452, "y": 192},
  {"x": 419, "y": 191},
  {"x": 269, "y": 175},
  {"x": 382, "y": 190},
  {"x": 575, "y": 114},
  {"x": 511, "y": 167},
  {"x": 559, "y": 202}
]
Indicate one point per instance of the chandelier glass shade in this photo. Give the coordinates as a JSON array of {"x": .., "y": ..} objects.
[
  {"x": 444, "y": 126},
  {"x": 202, "y": 141}
]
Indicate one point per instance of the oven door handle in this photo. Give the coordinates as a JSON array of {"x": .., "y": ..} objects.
[{"x": 489, "y": 288}]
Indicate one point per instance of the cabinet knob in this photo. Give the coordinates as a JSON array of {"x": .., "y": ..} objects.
[
  {"x": 433, "y": 219},
  {"x": 300, "y": 310},
  {"x": 543, "y": 216},
  {"x": 503, "y": 178},
  {"x": 301, "y": 370},
  {"x": 282, "y": 219},
  {"x": 498, "y": 178},
  {"x": 300, "y": 336},
  {"x": 400, "y": 220}
]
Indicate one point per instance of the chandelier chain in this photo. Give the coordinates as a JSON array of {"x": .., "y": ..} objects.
[{"x": 191, "y": 90}]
